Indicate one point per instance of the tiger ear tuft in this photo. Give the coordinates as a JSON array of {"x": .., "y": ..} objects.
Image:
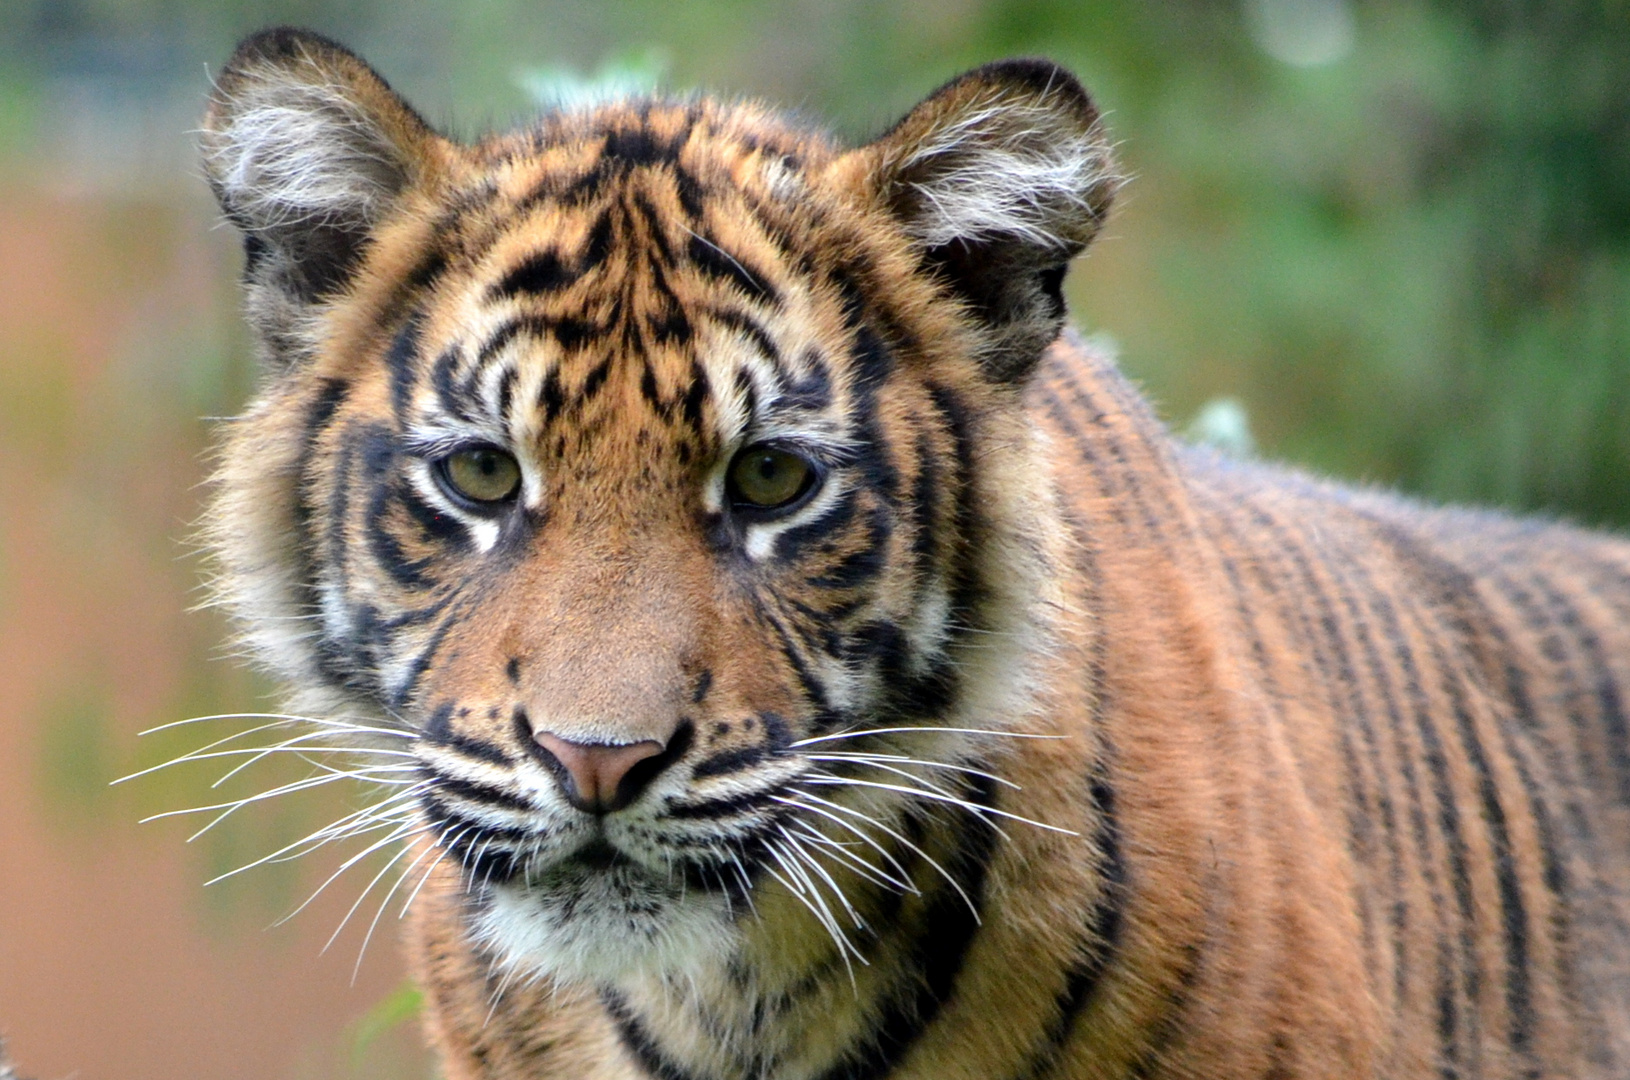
[
  {"x": 1001, "y": 176},
  {"x": 307, "y": 149}
]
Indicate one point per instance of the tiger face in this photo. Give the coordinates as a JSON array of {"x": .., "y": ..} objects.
[{"x": 627, "y": 464}]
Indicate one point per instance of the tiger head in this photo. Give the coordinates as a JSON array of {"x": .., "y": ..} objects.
[{"x": 631, "y": 467}]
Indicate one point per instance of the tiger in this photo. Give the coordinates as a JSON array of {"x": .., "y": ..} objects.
[{"x": 802, "y": 656}]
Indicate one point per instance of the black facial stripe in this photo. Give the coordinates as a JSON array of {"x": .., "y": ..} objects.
[
  {"x": 501, "y": 337},
  {"x": 540, "y": 274},
  {"x": 750, "y": 328},
  {"x": 640, "y": 1043},
  {"x": 813, "y": 391},
  {"x": 872, "y": 359},
  {"x": 790, "y": 542},
  {"x": 813, "y": 690},
  {"x": 443, "y": 812},
  {"x": 480, "y": 852},
  {"x": 346, "y": 660},
  {"x": 421, "y": 663},
  {"x": 438, "y": 731},
  {"x": 656, "y": 227},
  {"x": 571, "y": 333},
  {"x": 386, "y": 547},
  {"x": 692, "y": 193},
  {"x": 551, "y": 400},
  {"x": 451, "y": 394},
  {"x": 430, "y": 268},
  {"x": 671, "y": 327},
  {"x": 331, "y": 394},
  {"x": 438, "y": 525},
  {"x": 864, "y": 563},
  {"x": 402, "y": 363},
  {"x": 696, "y": 396},
  {"x": 639, "y": 146},
  {"x": 716, "y": 263},
  {"x": 729, "y": 761},
  {"x": 598, "y": 244},
  {"x": 876, "y": 462},
  {"x": 595, "y": 379},
  {"x": 479, "y": 794},
  {"x": 925, "y": 503},
  {"x": 884, "y": 644},
  {"x": 719, "y": 808}
]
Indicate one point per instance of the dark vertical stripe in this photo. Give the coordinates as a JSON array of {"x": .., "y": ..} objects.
[
  {"x": 402, "y": 364},
  {"x": 1100, "y": 938},
  {"x": 936, "y": 956}
]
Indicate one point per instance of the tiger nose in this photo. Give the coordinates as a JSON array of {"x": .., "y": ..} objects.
[{"x": 598, "y": 777}]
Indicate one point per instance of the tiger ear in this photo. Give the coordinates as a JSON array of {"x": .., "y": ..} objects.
[
  {"x": 1001, "y": 176},
  {"x": 307, "y": 149}
]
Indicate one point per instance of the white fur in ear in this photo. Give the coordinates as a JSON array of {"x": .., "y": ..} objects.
[
  {"x": 1009, "y": 168},
  {"x": 1011, "y": 152},
  {"x": 1000, "y": 177},
  {"x": 307, "y": 149},
  {"x": 307, "y": 146},
  {"x": 295, "y": 152}
]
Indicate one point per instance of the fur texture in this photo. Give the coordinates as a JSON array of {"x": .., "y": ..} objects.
[{"x": 1022, "y": 743}]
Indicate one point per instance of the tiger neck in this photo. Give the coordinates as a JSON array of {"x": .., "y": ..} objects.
[{"x": 792, "y": 1001}]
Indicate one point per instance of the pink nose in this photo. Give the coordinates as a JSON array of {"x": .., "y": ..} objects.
[{"x": 598, "y": 777}]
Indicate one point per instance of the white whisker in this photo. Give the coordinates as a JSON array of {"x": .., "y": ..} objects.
[
  {"x": 375, "y": 880},
  {"x": 929, "y": 859},
  {"x": 396, "y": 834},
  {"x": 972, "y": 807},
  {"x": 806, "y": 893},
  {"x": 350, "y": 824},
  {"x": 902, "y": 759},
  {"x": 809, "y": 860},
  {"x": 860, "y": 866},
  {"x": 383, "y": 904},
  {"x": 904, "y": 882},
  {"x": 863, "y": 732}
]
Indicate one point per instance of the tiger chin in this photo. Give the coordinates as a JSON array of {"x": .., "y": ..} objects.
[{"x": 794, "y": 655}]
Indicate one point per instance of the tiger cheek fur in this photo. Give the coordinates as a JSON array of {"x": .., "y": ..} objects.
[{"x": 816, "y": 668}]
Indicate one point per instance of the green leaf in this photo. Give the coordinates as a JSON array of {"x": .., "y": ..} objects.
[{"x": 397, "y": 1008}]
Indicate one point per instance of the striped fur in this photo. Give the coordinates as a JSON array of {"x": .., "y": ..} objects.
[{"x": 1031, "y": 744}]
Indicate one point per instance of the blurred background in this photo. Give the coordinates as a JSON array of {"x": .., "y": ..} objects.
[{"x": 1388, "y": 239}]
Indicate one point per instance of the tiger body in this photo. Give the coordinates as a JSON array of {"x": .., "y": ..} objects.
[{"x": 1018, "y": 742}]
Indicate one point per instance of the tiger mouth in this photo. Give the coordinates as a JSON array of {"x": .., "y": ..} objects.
[
  {"x": 536, "y": 858},
  {"x": 596, "y": 856}
]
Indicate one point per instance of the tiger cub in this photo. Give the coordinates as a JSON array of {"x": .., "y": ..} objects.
[{"x": 810, "y": 665}]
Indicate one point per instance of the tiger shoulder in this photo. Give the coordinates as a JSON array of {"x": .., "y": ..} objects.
[{"x": 804, "y": 663}]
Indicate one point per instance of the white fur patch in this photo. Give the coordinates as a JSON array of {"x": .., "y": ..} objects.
[
  {"x": 600, "y": 926},
  {"x": 1012, "y": 170},
  {"x": 295, "y": 152}
]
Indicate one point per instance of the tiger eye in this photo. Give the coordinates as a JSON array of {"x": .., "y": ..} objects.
[
  {"x": 764, "y": 477},
  {"x": 482, "y": 474}
]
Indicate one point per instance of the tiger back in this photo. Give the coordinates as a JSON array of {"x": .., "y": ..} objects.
[{"x": 809, "y": 665}]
